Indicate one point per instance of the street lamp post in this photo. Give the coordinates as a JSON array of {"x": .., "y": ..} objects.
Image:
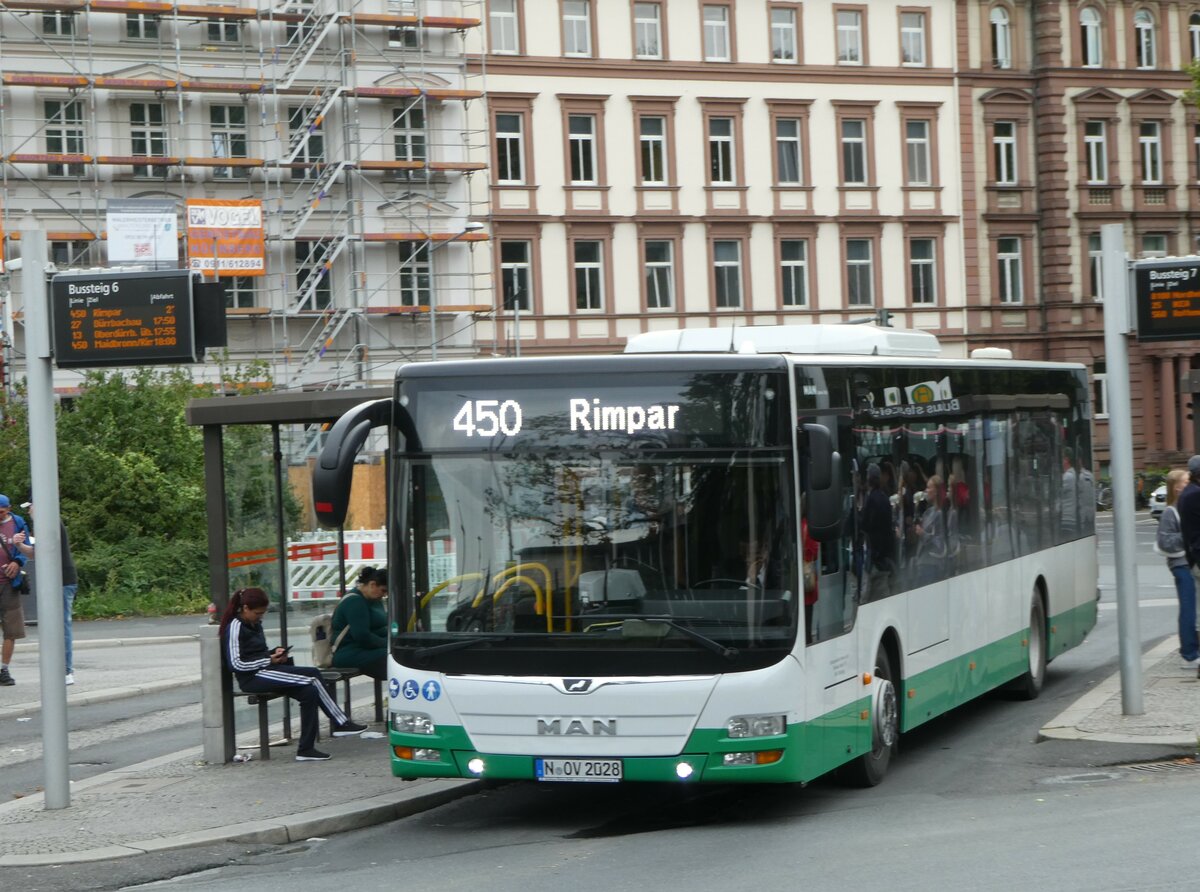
[{"x": 470, "y": 226}]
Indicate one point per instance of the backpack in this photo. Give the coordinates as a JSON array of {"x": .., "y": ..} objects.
[{"x": 323, "y": 645}]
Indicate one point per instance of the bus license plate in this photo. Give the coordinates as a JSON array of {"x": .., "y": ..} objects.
[{"x": 602, "y": 771}]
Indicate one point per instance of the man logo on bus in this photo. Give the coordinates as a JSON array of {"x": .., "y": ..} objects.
[{"x": 577, "y": 685}]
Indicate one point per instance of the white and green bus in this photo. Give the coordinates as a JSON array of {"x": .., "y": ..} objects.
[{"x": 735, "y": 555}]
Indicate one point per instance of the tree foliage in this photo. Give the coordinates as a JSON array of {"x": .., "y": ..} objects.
[{"x": 131, "y": 486}]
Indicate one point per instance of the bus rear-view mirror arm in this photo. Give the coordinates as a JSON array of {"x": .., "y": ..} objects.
[{"x": 335, "y": 466}]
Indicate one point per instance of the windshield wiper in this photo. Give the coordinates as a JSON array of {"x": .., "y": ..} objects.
[
  {"x": 421, "y": 653},
  {"x": 650, "y": 626}
]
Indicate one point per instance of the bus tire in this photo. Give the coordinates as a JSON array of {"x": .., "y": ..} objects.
[
  {"x": 870, "y": 768},
  {"x": 1029, "y": 685}
]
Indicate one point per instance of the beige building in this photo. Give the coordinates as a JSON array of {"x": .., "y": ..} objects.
[{"x": 689, "y": 163}]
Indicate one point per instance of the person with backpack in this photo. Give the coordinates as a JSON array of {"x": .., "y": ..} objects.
[
  {"x": 360, "y": 626},
  {"x": 13, "y": 583}
]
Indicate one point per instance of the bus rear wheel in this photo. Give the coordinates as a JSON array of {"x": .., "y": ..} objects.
[
  {"x": 1029, "y": 685},
  {"x": 871, "y": 768}
]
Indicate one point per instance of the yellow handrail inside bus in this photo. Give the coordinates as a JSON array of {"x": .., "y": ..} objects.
[
  {"x": 537, "y": 595},
  {"x": 429, "y": 596}
]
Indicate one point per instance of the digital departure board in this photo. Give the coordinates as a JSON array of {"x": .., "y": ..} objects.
[
  {"x": 123, "y": 318},
  {"x": 1168, "y": 299}
]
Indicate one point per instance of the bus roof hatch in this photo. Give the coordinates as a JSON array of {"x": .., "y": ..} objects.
[{"x": 857, "y": 340}]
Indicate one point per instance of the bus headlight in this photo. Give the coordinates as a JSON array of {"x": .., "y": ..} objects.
[
  {"x": 756, "y": 725},
  {"x": 412, "y": 723}
]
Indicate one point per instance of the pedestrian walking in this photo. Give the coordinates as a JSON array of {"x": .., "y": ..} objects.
[
  {"x": 1188, "y": 506},
  {"x": 70, "y": 585},
  {"x": 1169, "y": 543}
]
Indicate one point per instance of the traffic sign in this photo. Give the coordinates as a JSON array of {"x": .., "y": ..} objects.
[
  {"x": 122, "y": 318},
  {"x": 1167, "y": 293}
]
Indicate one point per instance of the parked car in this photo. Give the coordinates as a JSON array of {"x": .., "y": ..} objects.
[{"x": 1158, "y": 501}]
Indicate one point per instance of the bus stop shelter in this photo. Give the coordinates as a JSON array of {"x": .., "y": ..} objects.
[{"x": 272, "y": 410}]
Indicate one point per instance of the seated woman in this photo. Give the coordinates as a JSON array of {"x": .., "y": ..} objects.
[
  {"x": 359, "y": 627},
  {"x": 262, "y": 670}
]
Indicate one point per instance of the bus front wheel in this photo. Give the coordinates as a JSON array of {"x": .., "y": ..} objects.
[
  {"x": 870, "y": 768},
  {"x": 1029, "y": 685}
]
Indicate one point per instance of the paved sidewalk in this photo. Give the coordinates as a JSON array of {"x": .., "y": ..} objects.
[
  {"x": 1170, "y": 700},
  {"x": 178, "y": 800}
]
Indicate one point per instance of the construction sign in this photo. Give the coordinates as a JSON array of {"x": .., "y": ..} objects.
[{"x": 226, "y": 236}]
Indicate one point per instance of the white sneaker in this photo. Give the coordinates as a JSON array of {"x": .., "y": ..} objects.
[
  {"x": 1191, "y": 664},
  {"x": 70, "y": 678}
]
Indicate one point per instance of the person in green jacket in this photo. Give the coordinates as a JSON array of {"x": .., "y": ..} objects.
[{"x": 363, "y": 614}]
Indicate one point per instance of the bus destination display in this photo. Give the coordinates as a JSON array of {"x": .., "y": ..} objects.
[
  {"x": 1168, "y": 300},
  {"x": 116, "y": 318}
]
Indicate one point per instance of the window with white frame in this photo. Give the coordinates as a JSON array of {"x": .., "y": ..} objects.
[
  {"x": 516, "y": 280},
  {"x": 1196, "y": 147},
  {"x": 72, "y": 254},
  {"x": 1147, "y": 44},
  {"x": 64, "y": 135},
  {"x": 148, "y": 136},
  {"x": 1154, "y": 244},
  {"x": 849, "y": 37},
  {"x": 1150, "y": 152},
  {"x": 720, "y": 151},
  {"x": 1001, "y": 38},
  {"x": 510, "y": 149},
  {"x": 1194, "y": 34},
  {"x": 1004, "y": 152},
  {"x": 313, "y": 150},
  {"x": 860, "y": 272},
  {"x": 784, "y": 45},
  {"x": 787, "y": 151},
  {"x": 727, "y": 272},
  {"x": 309, "y": 263},
  {"x": 577, "y": 27},
  {"x": 1095, "y": 268},
  {"x": 1008, "y": 270},
  {"x": 647, "y": 30},
  {"x": 223, "y": 31},
  {"x": 409, "y": 137},
  {"x": 582, "y": 147},
  {"x": 912, "y": 38},
  {"x": 716, "y": 33},
  {"x": 652, "y": 139},
  {"x": 240, "y": 291},
  {"x": 58, "y": 24},
  {"x": 660, "y": 274},
  {"x": 415, "y": 274},
  {"x": 587, "y": 259},
  {"x": 922, "y": 267},
  {"x": 406, "y": 36},
  {"x": 854, "y": 152},
  {"x": 1100, "y": 390},
  {"x": 1089, "y": 37},
  {"x": 917, "y": 152},
  {"x": 1095, "y": 143},
  {"x": 502, "y": 17},
  {"x": 793, "y": 269},
  {"x": 141, "y": 27},
  {"x": 227, "y": 125}
]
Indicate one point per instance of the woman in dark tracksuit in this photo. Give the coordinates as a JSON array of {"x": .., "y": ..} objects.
[{"x": 260, "y": 670}]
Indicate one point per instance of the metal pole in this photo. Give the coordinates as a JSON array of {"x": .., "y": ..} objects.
[
  {"x": 1120, "y": 429},
  {"x": 43, "y": 465},
  {"x": 281, "y": 546},
  {"x": 517, "y": 319}
]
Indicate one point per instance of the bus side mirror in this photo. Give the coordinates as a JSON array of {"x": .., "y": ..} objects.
[
  {"x": 823, "y": 504},
  {"x": 335, "y": 466}
]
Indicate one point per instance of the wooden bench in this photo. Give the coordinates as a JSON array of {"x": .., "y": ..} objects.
[
  {"x": 333, "y": 675},
  {"x": 264, "y": 718}
]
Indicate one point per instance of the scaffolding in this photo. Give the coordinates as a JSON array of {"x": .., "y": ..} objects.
[{"x": 347, "y": 119}]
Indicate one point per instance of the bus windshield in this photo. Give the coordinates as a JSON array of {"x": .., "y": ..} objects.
[{"x": 671, "y": 542}]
